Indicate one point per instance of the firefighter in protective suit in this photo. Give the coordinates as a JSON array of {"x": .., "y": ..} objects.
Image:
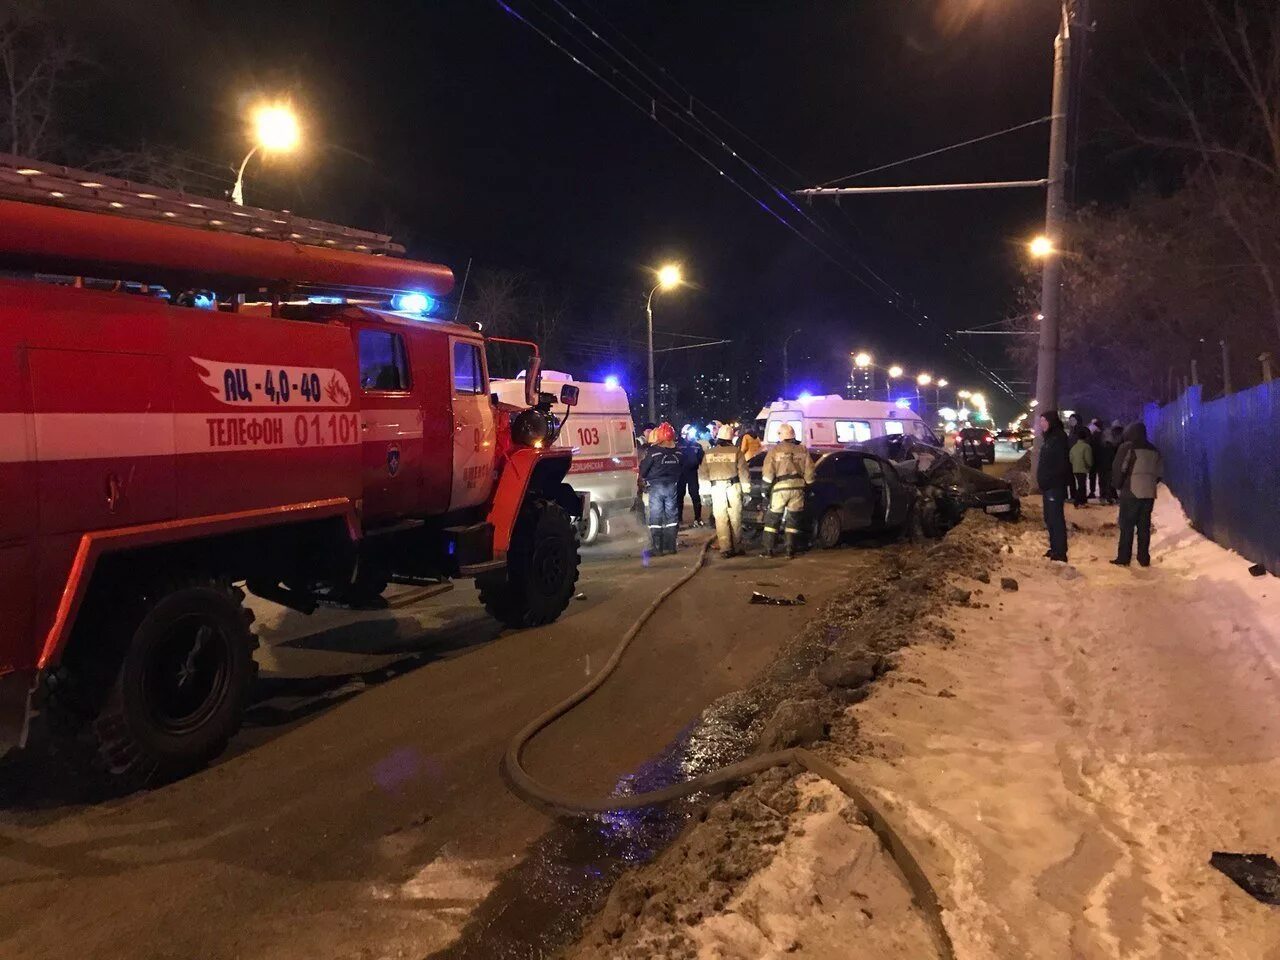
[
  {"x": 787, "y": 473},
  {"x": 725, "y": 470}
]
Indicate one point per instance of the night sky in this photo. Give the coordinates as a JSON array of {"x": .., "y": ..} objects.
[{"x": 457, "y": 126}]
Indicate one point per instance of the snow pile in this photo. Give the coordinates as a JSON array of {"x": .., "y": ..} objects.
[{"x": 830, "y": 884}]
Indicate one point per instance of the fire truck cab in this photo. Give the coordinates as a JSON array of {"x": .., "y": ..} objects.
[{"x": 248, "y": 401}]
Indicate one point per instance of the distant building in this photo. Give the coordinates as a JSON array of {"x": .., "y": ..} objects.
[
  {"x": 713, "y": 395},
  {"x": 860, "y": 385}
]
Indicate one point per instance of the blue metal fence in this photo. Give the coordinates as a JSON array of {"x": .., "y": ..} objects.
[{"x": 1222, "y": 461}]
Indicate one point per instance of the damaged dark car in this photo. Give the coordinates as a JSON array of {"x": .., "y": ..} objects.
[
  {"x": 947, "y": 486},
  {"x": 892, "y": 485}
]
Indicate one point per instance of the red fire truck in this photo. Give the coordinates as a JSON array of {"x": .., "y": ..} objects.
[{"x": 246, "y": 400}]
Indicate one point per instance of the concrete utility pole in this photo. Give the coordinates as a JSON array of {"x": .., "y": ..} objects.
[
  {"x": 1055, "y": 216},
  {"x": 1226, "y": 368}
]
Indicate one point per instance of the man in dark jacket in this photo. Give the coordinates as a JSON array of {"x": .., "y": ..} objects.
[
  {"x": 1053, "y": 474},
  {"x": 1136, "y": 474},
  {"x": 1096, "y": 437},
  {"x": 661, "y": 469},
  {"x": 692, "y": 452}
]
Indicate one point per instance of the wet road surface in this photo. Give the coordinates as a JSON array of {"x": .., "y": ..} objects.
[{"x": 362, "y": 813}]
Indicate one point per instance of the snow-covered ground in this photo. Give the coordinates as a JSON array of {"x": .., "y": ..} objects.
[{"x": 1101, "y": 732}]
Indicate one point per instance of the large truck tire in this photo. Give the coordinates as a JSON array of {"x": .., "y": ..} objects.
[
  {"x": 542, "y": 568},
  {"x": 185, "y": 671}
]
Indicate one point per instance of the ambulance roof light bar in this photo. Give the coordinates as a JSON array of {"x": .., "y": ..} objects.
[{"x": 33, "y": 181}]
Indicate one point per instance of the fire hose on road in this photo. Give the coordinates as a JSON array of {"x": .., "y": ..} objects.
[{"x": 524, "y": 785}]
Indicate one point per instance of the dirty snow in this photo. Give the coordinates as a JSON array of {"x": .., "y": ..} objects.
[{"x": 1111, "y": 728}]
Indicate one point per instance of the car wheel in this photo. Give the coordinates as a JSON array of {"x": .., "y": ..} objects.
[
  {"x": 829, "y": 530},
  {"x": 589, "y": 527}
]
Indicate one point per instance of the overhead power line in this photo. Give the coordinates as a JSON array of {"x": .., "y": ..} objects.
[
  {"x": 662, "y": 107},
  {"x": 934, "y": 153}
]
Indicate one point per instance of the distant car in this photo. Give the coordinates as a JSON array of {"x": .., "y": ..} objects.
[
  {"x": 1015, "y": 439},
  {"x": 854, "y": 491},
  {"x": 976, "y": 444}
]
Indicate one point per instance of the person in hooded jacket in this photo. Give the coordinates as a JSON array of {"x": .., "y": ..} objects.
[
  {"x": 1136, "y": 475},
  {"x": 1053, "y": 476},
  {"x": 1081, "y": 466},
  {"x": 661, "y": 469},
  {"x": 786, "y": 474}
]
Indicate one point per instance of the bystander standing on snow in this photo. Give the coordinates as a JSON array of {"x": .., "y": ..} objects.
[
  {"x": 1053, "y": 475},
  {"x": 1137, "y": 473},
  {"x": 1081, "y": 466}
]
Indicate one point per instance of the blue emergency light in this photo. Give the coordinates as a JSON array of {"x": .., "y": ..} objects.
[{"x": 412, "y": 303}]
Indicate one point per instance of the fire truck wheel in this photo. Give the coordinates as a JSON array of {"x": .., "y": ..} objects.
[
  {"x": 542, "y": 568},
  {"x": 183, "y": 684}
]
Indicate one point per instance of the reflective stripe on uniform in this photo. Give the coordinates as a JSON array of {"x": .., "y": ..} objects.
[{"x": 770, "y": 529}]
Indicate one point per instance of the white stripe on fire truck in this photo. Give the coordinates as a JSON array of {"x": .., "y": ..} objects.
[{"x": 51, "y": 437}]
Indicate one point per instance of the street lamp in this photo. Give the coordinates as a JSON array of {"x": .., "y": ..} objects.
[
  {"x": 895, "y": 372},
  {"x": 1041, "y": 247},
  {"x": 275, "y": 129},
  {"x": 669, "y": 277},
  {"x": 924, "y": 379}
]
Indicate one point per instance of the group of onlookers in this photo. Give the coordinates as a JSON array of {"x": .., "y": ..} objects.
[
  {"x": 1093, "y": 455},
  {"x": 1115, "y": 465}
]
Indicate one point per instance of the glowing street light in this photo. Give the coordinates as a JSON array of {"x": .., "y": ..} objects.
[
  {"x": 924, "y": 379},
  {"x": 275, "y": 130},
  {"x": 669, "y": 277},
  {"x": 1041, "y": 247},
  {"x": 942, "y": 382},
  {"x": 964, "y": 394},
  {"x": 862, "y": 360},
  {"x": 895, "y": 371}
]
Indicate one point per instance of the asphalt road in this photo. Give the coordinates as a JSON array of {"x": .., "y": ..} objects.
[{"x": 361, "y": 812}]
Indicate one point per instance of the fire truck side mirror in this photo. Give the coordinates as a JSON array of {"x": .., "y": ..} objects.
[
  {"x": 569, "y": 395},
  {"x": 532, "y": 377}
]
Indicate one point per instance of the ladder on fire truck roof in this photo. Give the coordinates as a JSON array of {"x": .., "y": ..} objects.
[
  {"x": 33, "y": 181},
  {"x": 56, "y": 219}
]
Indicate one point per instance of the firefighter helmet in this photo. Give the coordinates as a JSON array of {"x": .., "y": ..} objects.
[
  {"x": 664, "y": 433},
  {"x": 786, "y": 432}
]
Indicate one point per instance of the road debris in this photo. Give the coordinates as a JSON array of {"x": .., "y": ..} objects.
[
  {"x": 1255, "y": 873},
  {"x": 758, "y": 597},
  {"x": 1009, "y": 583}
]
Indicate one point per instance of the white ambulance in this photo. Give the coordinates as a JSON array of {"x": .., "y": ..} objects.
[
  {"x": 603, "y": 438},
  {"x": 832, "y": 422}
]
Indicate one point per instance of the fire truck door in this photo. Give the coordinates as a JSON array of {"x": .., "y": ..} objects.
[
  {"x": 390, "y": 426},
  {"x": 104, "y": 439},
  {"x": 473, "y": 425}
]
